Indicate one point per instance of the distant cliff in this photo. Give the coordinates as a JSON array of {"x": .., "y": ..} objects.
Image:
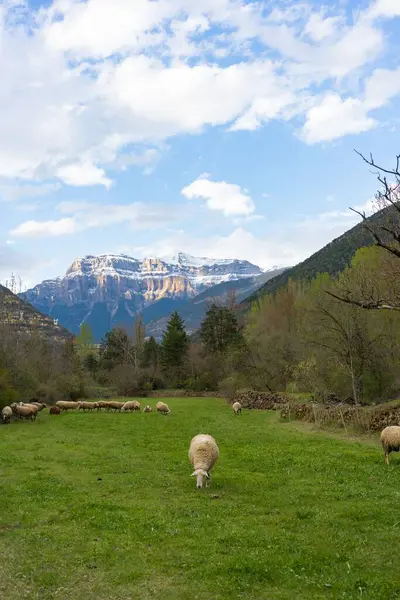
[{"x": 109, "y": 290}]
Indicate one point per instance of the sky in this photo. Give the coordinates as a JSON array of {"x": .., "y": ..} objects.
[{"x": 220, "y": 128}]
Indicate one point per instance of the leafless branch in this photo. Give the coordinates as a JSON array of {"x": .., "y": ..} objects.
[{"x": 378, "y": 305}]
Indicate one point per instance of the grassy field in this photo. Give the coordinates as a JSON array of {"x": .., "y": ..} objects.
[{"x": 102, "y": 506}]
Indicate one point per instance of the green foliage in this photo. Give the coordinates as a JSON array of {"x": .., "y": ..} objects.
[
  {"x": 85, "y": 338},
  {"x": 219, "y": 330},
  {"x": 174, "y": 349},
  {"x": 332, "y": 259},
  {"x": 91, "y": 363},
  {"x": 116, "y": 349},
  {"x": 109, "y": 498},
  {"x": 303, "y": 337},
  {"x": 8, "y": 395},
  {"x": 150, "y": 356}
]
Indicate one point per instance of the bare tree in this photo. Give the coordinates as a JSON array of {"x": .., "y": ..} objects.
[{"x": 386, "y": 234}]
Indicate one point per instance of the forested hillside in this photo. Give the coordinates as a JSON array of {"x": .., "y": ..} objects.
[
  {"x": 21, "y": 316},
  {"x": 331, "y": 259}
]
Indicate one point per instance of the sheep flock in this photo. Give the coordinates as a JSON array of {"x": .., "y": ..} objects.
[{"x": 203, "y": 449}]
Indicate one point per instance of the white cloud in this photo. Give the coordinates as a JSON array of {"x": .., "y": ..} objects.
[
  {"x": 10, "y": 193},
  {"x": 381, "y": 87},
  {"x": 384, "y": 8},
  {"x": 228, "y": 198},
  {"x": 318, "y": 27},
  {"x": 91, "y": 87},
  {"x": 84, "y": 216},
  {"x": 36, "y": 229},
  {"x": 333, "y": 118},
  {"x": 83, "y": 174}
]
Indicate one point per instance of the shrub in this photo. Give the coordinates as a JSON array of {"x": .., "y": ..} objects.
[
  {"x": 46, "y": 393},
  {"x": 93, "y": 391}
]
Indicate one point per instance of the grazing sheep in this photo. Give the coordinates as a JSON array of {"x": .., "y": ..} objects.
[
  {"x": 40, "y": 405},
  {"x": 67, "y": 405},
  {"x": 390, "y": 440},
  {"x": 161, "y": 407},
  {"x": 87, "y": 405},
  {"x": 102, "y": 404},
  {"x": 115, "y": 405},
  {"x": 26, "y": 411},
  {"x": 6, "y": 414},
  {"x": 131, "y": 405},
  {"x": 54, "y": 410},
  {"x": 147, "y": 408},
  {"x": 237, "y": 408},
  {"x": 203, "y": 454}
]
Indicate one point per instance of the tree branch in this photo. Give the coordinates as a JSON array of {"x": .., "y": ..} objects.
[{"x": 379, "y": 305}]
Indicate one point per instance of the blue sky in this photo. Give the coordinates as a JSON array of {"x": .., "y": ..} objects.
[{"x": 221, "y": 128}]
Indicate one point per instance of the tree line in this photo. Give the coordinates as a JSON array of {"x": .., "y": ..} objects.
[{"x": 332, "y": 335}]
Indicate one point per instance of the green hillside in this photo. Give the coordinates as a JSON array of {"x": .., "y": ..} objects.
[
  {"x": 21, "y": 316},
  {"x": 332, "y": 259}
]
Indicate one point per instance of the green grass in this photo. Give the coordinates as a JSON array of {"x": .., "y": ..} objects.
[{"x": 102, "y": 506}]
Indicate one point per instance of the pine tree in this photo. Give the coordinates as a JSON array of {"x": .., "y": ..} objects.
[
  {"x": 219, "y": 330},
  {"x": 174, "y": 348},
  {"x": 150, "y": 354}
]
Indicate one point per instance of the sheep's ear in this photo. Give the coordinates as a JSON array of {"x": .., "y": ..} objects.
[
  {"x": 193, "y": 474},
  {"x": 208, "y": 475}
]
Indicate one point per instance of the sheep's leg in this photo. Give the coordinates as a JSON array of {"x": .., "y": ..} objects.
[
  {"x": 208, "y": 481},
  {"x": 386, "y": 457}
]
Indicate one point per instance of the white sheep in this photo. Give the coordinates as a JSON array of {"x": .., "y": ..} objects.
[
  {"x": 147, "y": 408},
  {"x": 6, "y": 414},
  {"x": 203, "y": 454},
  {"x": 163, "y": 408},
  {"x": 68, "y": 405},
  {"x": 131, "y": 405},
  {"x": 40, "y": 405},
  {"x": 237, "y": 408},
  {"x": 390, "y": 440},
  {"x": 25, "y": 411}
]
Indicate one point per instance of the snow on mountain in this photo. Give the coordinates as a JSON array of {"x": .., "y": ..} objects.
[{"x": 112, "y": 289}]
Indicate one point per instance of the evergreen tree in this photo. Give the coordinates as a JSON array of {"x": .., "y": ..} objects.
[
  {"x": 150, "y": 354},
  {"x": 174, "y": 347},
  {"x": 219, "y": 330},
  {"x": 139, "y": 334},
  {"x": 91, "y": 363}
]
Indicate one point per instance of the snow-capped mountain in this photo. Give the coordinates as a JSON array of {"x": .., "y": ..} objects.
[{"x": 111, "y": 289}]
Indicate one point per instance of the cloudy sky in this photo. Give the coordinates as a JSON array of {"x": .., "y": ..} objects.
[{"x": 221, "y": 128}]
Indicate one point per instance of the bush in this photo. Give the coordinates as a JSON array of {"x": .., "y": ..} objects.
[
  {"x": 92, "y": 391},
  {"x": 70, "y": 387},
  {"x": 46, "y": 393},
  {"x": 7, "y": 397},
  {"x": 8, "y": 394}
]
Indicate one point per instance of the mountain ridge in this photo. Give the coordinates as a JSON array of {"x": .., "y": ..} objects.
[{"x": 108, "y": 290}]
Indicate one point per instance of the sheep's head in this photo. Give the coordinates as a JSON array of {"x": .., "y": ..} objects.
[{"x": 200, "y": 474}]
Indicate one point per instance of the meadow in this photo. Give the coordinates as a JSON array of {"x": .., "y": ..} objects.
[{"x": 102, "y": 506}]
